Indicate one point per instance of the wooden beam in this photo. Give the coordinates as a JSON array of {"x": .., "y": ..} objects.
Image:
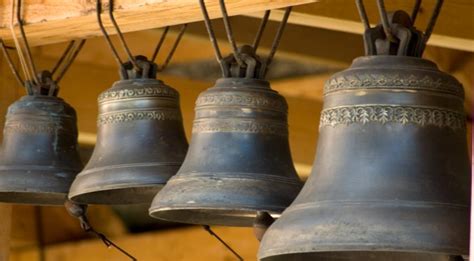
[
  {"x": 51, "y": 21},
  {"x": 341, "y": 15}
]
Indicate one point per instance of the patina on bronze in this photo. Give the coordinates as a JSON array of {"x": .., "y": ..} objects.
[
  {"x": 391, "y": 176},
  {"x": 39, "y": 154},
  {"x": 140, "y": 136},
  {"x": 140, "y": 142},
  {"x": 239, "y": 159}
]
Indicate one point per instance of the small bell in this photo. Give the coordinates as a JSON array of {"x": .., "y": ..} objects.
[
  {"x": 140, "y": 142},
  {"x": 140, "y": 137},
  {"x": 391, "y": 179},
  {"x": 39, "y": 154},
  {"x": 239, "y": 161}
]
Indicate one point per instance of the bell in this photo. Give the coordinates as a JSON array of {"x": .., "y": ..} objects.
[
  {"x": 239, "y": 159},
  {"x": 140, "y": 142},
  {"x": 391, "y": 179},
  {"x": 39, "y": 154}
]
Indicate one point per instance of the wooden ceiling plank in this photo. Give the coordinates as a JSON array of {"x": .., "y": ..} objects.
[
  {"x": 346, "y": 25},
  {"x": 51, "y": 21}
]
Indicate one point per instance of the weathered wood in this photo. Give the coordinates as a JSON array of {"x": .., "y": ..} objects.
[
  {"x": 341, "y": 15},
  {"x": 51, "y": 21}
]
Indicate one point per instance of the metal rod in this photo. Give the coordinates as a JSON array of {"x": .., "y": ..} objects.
[
  {"x": 11, "y": 65},
  {"x": 363, "y": 14},
  {"x": 120, "y": 35},
  {"x": 29, "y": 56},
  {"x": 432, "y": 22},
  {"x": 208, "y": 229},
  {"x": 385, "y": 22},
  {"x": 276, "y": 42},
  {"x": 109, "y": 243},
  {"x": 79, "y": 211},
  {"x": 71, "y": 57},
  {"x": 173, "y": 48},
  {"x": 19, "y": 51},
  {"x": 160, "y": 43},
  {"x": 261, "y": 28},
  {"x": 212, "y": 37},
  {"x": 415, "y": 11},
  {"x": 63, "y": 56},
  {"x": 106, "y": 35},
  {"x": 230, "y": 35}
]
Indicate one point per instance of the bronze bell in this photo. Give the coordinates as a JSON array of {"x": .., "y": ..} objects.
[
  {"x": 239, "y": 160},
  {"x": 140, "y": 141},
  {"x": 391, "y": 176},
  {"x": 39, "y": 154}
]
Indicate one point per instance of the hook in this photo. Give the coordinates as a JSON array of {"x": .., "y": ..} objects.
[
  {"x": 236, "y": 53},
  {"x": 387, "y": 28},
  {"x": 35, "y": 82},
  {"x": 137, "y": 65}
]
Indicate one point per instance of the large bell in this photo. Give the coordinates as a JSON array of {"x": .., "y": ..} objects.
[
  {"x": 391, "y": 179},
  {"x": 140, "y": 143},
  {"x": 39, "y": 154},
  {"x": 239, "y": 159}
]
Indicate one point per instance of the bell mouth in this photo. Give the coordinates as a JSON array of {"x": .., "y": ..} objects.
[
  {"x": 117, "y": 196},
  {"x": 33, "y": 198},
  {"x": 242, "y": 217},
  {"x": 365, "y": 256}
]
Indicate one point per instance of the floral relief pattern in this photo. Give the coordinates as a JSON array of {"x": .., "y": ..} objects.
[
  {"x": 393, "y": 81},
  {"x": 136, "y": 93},
  {"x": 138, "y": 115},
  {"x": 31, "y": 127},
  {"x": 239, "y": 125},
  {"x": 251, "y": 100},
  {"x": 383, "y": 114}
]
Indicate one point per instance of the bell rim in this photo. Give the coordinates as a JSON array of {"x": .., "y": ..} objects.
[
  {"x": 96, "y": 196},
  {"x": 209, "y": 211},
  {"x": 33, "y": 197},
  {"x": 241, "y": 213},
  {"x": 363, "y": 243},
  {"x": 275, "y": 252}
]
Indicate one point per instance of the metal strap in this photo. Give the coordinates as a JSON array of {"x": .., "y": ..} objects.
[{"x": 230, "y": 37}]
